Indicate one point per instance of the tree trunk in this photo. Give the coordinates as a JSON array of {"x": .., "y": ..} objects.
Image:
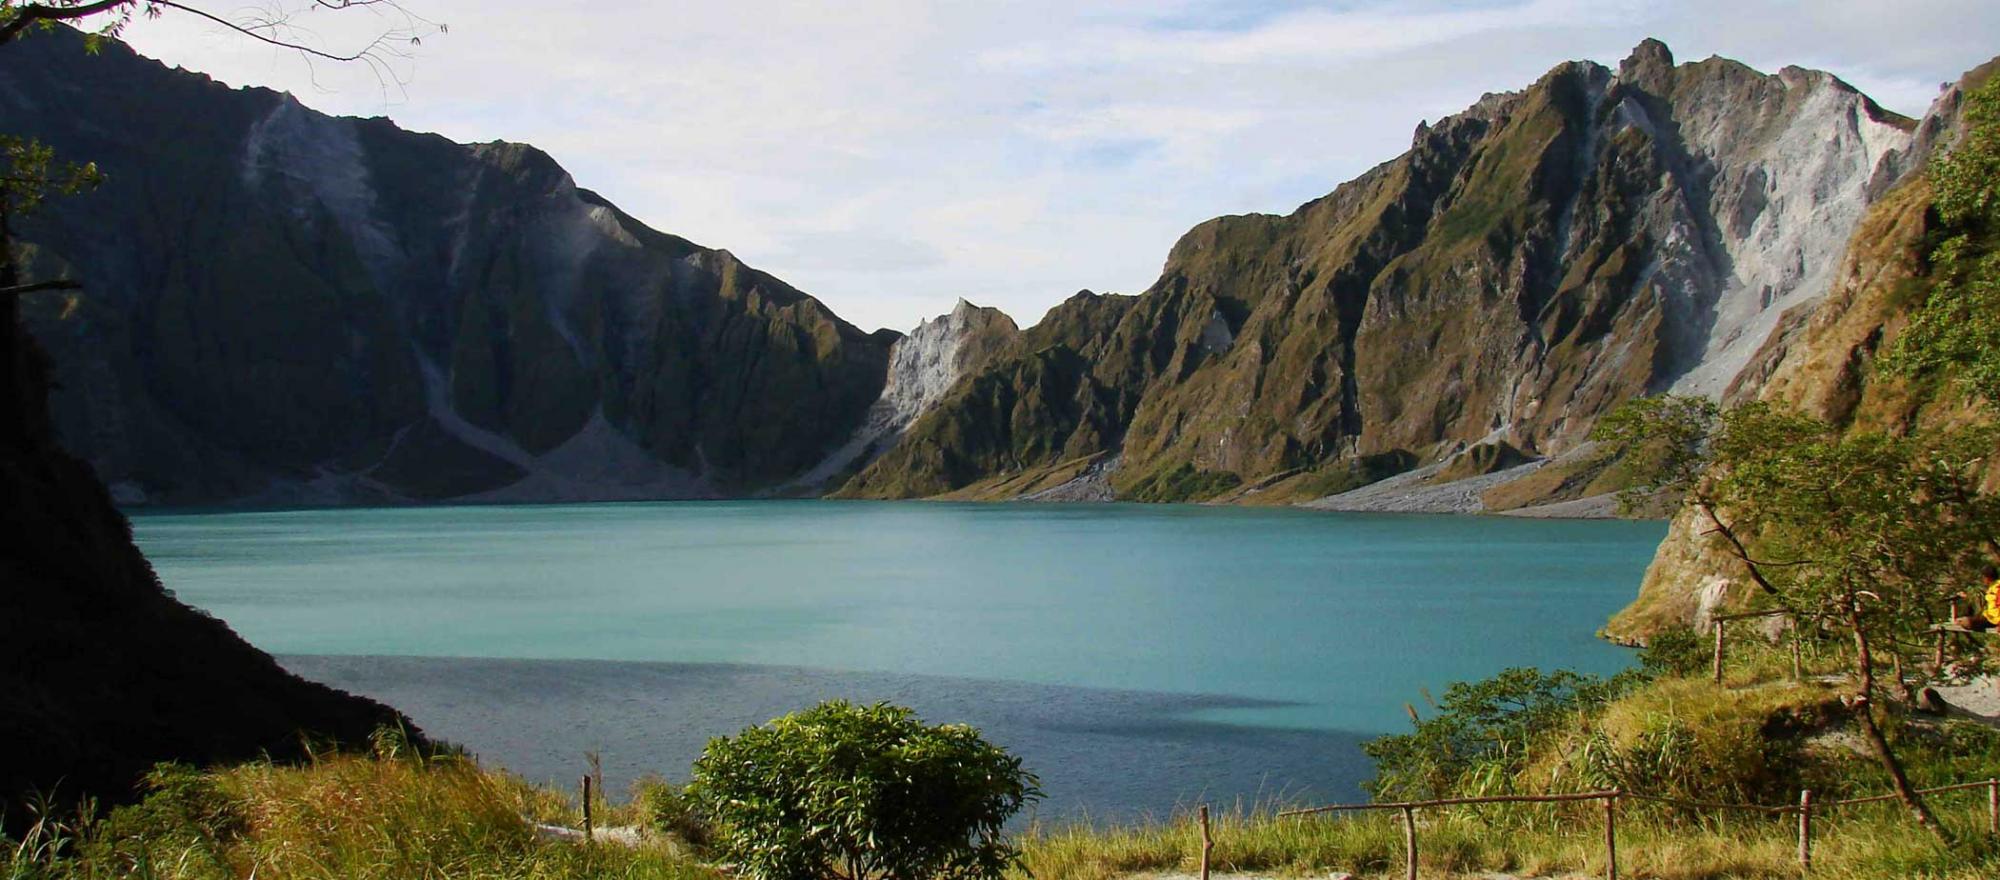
[{"x": 1864, "y": 664}]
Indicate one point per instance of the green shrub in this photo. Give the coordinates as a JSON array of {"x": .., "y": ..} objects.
[
  {"x": 845, "y": 791},
  {"x": 669, "y": 809},
  {"x": 1675, "y": 651},
  {"x": 184, "y": 817},
  {"x": 1482, "y": 734}
]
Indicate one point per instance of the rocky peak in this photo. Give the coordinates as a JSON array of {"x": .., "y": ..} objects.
[
  {"x": 1648, "y": 65},
  {"x": 923, "y": 368}
]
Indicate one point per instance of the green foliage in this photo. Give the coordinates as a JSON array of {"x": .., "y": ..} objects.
[
  {"x": 1821, "y": 520},
  {"x": 1183, "y": 483},
  {"x": 1674, "y": 651},
  {"x": 17, "y": 17},
  {"x": 846, "y": 791},
  {"x": 1955, "y": 331},
  {"x": 667, "y": 808},
  {"x": 29, "y": 172},
  {"x": 1685, "y": 738},
  {"x": 185, "y": 815},
  {"x": 1660, "y": 443},
  {"x": 1481, "y": 736}
]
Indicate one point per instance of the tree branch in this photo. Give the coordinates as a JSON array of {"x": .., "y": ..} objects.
[
  {"x": 254, "y": 33},
  {"x": 38, "y": 286},
  {"x": 1743, "y": 553},
  {"x": 27, "y": 16}
]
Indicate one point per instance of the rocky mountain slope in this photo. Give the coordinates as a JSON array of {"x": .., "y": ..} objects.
[
  {"x": 287, "y": 307},
  {"x": 1524, "y": 267},
  {"x": 923, "y": 366},
  {"x": 1822, "y": 360}
]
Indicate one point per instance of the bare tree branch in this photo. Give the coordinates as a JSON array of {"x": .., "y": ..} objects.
[{"x": 19, "y": 289}]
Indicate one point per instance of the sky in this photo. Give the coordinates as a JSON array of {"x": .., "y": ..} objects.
[{"x": 892, "y": 157}]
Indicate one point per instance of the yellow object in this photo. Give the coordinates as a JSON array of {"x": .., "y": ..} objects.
[{"x": 1992, "y": 608}]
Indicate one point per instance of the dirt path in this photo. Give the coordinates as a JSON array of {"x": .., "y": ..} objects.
[
  {"x": 1978, "y": 699},
  {"x": 622, "y": 835}
]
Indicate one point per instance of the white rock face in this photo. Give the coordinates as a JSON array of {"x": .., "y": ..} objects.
[
  {"x": 922, "y": 367},
  {"x": 318, "y": 158},
  {"x": 1783, "y": 190}
]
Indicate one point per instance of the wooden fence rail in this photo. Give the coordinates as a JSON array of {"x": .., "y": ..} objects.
[{"x": 1806, "y": 808}]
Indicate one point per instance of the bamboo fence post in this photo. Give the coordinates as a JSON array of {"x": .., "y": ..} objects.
[
  {"x": 1805, "y": 830},
  {"x": 1993, "y": 806},
  {"x": 1798, "y": 664},
  {"x": 1719, "y": 624},
  {"x": 1938, "y": 661},
  {"x": 1611, "y": 835},
  {"x": 586, "y": 808},
  {"x": 1409, "y": 844},
  {"x": 1207, "y": 842}
]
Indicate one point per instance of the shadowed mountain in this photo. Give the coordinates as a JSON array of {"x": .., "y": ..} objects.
[{"x": 286, "y": 307}]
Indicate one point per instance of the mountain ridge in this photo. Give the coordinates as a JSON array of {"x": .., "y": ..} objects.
[
  {"x": 504, "y": 335},
  {"x": 1595, "y": 236},
  {"x": 300, "y": 308}
]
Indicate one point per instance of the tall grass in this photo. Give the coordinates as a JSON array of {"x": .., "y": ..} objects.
[
  {"x": 387, "y": 817},
  {"x": 1523, "y": 840},
  {"x": 377, "y": 817}
]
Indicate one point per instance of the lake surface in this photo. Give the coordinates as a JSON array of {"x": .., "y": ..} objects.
[{"x": 1137, "y": 656}]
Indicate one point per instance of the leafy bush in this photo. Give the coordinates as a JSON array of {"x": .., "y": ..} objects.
[
  {"x": 1674, "y": 651},
  {"x": 846, "y": 791},
  {"x": 1482, "y": 733},
  {"x": 669, "y": 809}
]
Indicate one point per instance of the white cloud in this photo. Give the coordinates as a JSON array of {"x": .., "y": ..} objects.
[{"x": 890, "y": 157}]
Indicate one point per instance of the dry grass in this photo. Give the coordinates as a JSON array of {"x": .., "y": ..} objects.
[
  {"x": 1524, "y": 841},
  {"x": 340, "y": 817}
]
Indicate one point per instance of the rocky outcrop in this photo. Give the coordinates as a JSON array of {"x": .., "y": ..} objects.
[
  {"x": 1526, "y": 266},
  {"x": 922, "y": 367},
  {"x": 1822, "y": 361},
  {"x": 282, "y": 306}
]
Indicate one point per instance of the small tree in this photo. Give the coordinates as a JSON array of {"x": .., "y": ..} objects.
[
  {"x": 846, "y": 792},
  {"x": 1867, "y": 534}
]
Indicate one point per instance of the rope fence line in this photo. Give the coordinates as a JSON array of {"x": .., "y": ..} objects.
[{"x": 1806, "y": 808}]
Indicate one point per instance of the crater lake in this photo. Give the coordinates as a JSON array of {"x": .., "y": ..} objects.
[{"x": 1138, "y": 657}]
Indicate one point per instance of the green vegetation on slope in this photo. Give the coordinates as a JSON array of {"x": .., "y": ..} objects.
[{"x": 1955, "y": 325}]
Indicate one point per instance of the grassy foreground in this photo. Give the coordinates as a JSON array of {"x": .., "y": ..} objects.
[
  {"x": 388, "y": 816},
  {"x": 1527, "y": 841},
  {"x": 344, "y": 816},
  {"x": 1666, "y": 730}
]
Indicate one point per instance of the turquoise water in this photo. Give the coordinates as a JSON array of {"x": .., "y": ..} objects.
[{"x": 1095, "y": 635}]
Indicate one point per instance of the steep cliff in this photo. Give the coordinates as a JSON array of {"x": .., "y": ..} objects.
[
  {"x": 1823, "y": 361},
  {"x": 923, "y": 366},
  {"x": 1524, "y": 267},
  {"x": 283, "y": 306}
]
